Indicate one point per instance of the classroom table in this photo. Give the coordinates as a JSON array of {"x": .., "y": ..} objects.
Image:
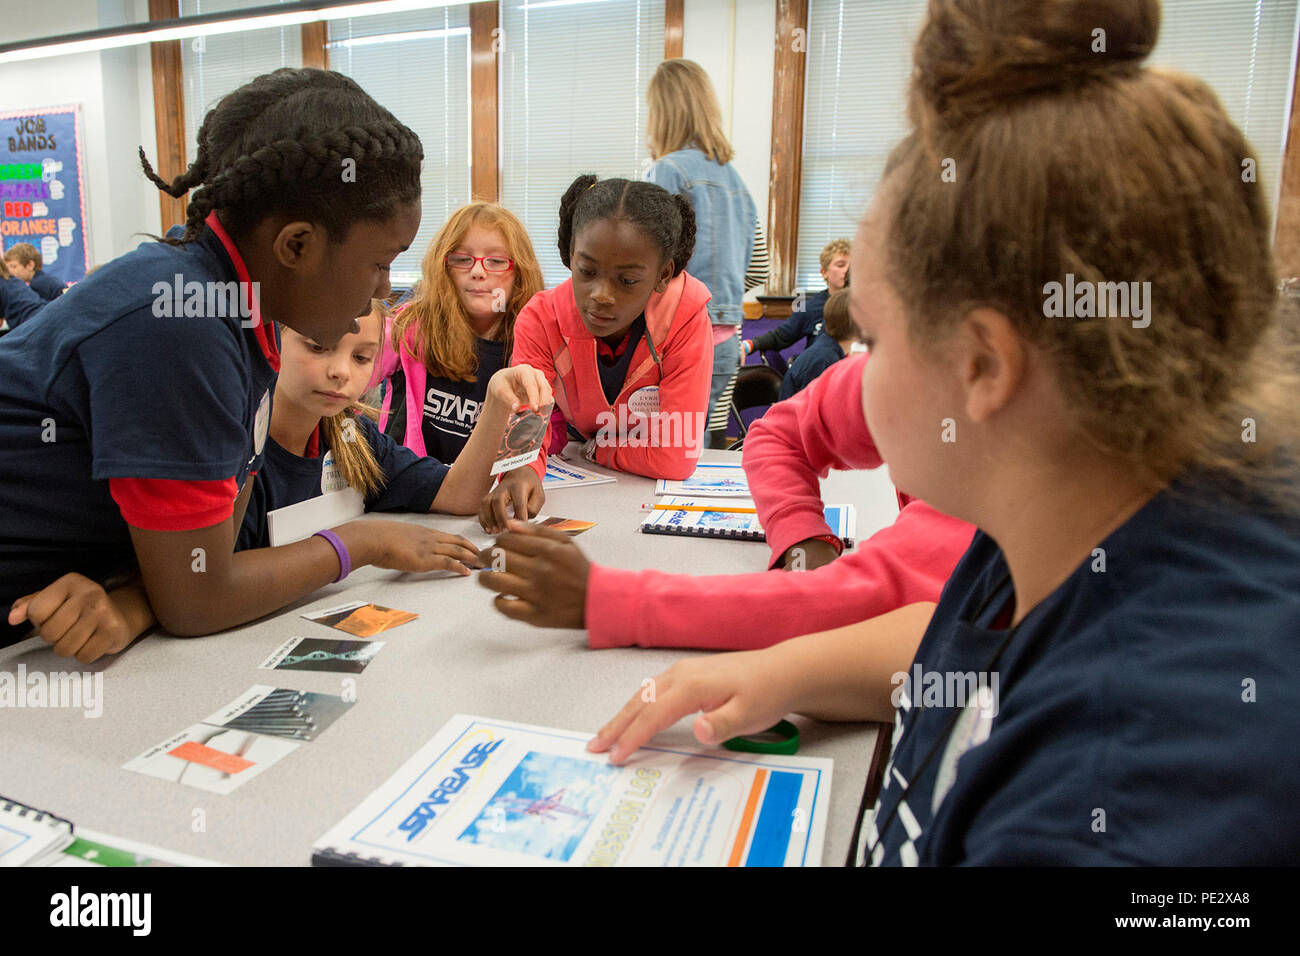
[{"x": 460, "y": 656}]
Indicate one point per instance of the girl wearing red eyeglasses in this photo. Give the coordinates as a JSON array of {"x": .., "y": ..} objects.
[{"x": 445, "y": 344}]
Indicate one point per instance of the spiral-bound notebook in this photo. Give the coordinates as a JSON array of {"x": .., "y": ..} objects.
[
  {"x": 31, "y": 837},
  {"x": 732, "y": 520}
]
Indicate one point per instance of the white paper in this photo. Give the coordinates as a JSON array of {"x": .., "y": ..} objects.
[
  {"x": 495, "y": 793},
  {"x": 561, "y": 474},
  {"x": 709, "y": 481},
  {"x": 302, "y": 520}
]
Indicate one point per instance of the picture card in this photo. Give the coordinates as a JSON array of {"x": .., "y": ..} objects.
[
  {"x": 281, "y": 712},
  {"x": 216, "y": 759},
  {"x": 525, "y": 432},
  {"x": 322, "y": 654},
  {"x": 570, "y": 526},
  {"x": 360, "y": 618}
]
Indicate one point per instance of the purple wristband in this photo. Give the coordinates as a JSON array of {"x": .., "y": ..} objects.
[{"x": 345, "y": 561}]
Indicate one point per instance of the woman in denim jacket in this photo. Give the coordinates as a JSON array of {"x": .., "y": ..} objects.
[{"x": 693, "y": 157}]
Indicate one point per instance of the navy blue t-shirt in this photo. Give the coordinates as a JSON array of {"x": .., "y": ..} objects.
[
  {"x": 46, "y": 286},
  {"x": 808, "y": 364},
  {"x": 112, "y": 386},
  {"x": 613, "y": 368},
  {"x": 1143, "y": 714},
  {"x": 450, "y": 408},
  {"x": 18, "y": 302},
  {"x": 804, "y": 324},
  {"x": 410, "y": 482}
]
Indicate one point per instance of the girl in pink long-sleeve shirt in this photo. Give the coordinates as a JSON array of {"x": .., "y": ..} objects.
[
  {"x": 626, "y": 343},
  {"x": 786, "y": 452}
]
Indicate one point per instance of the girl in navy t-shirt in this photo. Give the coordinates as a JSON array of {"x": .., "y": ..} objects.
[
  {"x": 444, "y": 346},
  {"x": 322, "y": 441},
  {"x": 131, "y": 420},
  {"x": 1112, "y": 673}
]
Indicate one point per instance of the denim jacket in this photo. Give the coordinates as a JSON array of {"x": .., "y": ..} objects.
[{"x": 725, "y": 221}]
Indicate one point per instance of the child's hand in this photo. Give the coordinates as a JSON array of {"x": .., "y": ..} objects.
[
  {"x": 520, "y": 487},
  {"x": 520, "y": 385},
  {"x": 403, "y": 546},
  {"x": 81, "y": 619},
  {"x": 745, "y": 692},
  {"x": 544, "y": 578}
]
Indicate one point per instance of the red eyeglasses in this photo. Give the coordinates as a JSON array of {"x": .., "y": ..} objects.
[{"x": 490, "y": 263}]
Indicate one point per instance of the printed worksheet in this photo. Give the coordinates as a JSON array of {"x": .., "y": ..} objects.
[{"x": 495, "y": 793}]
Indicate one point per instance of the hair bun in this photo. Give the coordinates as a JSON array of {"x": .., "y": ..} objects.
[{"x": 973, "y": 55}]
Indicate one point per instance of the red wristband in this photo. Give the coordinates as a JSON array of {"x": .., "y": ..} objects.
[{"x": 830, "y": 539}]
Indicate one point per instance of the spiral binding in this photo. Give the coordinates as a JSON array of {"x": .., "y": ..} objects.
[
  {"x": 331, "y": 857},
  {"x": 10, "y": 805}
]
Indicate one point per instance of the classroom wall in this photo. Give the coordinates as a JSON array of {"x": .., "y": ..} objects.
[
  {"x": 732, "y": 40},
  {"x": 115, "y": 91}
]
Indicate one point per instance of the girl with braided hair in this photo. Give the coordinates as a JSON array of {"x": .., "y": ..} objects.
[
  {"x": 625, "y": 343},
  {"x": 131, "y": 422}
]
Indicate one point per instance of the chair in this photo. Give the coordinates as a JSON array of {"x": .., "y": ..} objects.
[{"x": 755, "y": 386}]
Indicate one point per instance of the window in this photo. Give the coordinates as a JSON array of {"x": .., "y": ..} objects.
[
  {"x": 216, "y": 65},
  {"x": 416, "y": 65},
  {"x": 855, "y": 97},
  {"x": 859, "y": 61},
  {"x": 573, "y": 100}
]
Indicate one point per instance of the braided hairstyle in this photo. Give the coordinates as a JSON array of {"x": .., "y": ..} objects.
[
  {"x": 668, "y": 219},
  {"x": 279, "y": 145}
]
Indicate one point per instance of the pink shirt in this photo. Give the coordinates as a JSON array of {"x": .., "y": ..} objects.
[
  {"x": 786, "y": 452},
  {"x": 673, "y": 362}
]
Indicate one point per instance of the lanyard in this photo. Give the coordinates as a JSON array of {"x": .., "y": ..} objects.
[{"x": 939, "y": 742}]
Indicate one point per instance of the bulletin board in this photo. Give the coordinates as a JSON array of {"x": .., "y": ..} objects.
[{"x": 43, "y": 187}]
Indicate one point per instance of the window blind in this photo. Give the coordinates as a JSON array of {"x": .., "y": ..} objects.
[
  {"x": 216, "y": 65},
  {"x": 573, "y": 100},
  {"x": 859, "y": 61},
  {"x": 417, "y": 66}
]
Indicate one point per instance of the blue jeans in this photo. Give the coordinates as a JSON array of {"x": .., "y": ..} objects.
[{"x": 726, "y": 363}]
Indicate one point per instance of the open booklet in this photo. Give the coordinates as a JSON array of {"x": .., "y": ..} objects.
[
  {"x": 495, "y": 793},
  {"x": 708, "y": 481},
  {"x": 563, "y": 474},
  {"x": 736, "y": 518},
  {"x": 31, "y": 837}
]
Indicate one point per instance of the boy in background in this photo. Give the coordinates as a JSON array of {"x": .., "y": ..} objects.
[
  {"x": 806, "y": 324},
  {"x": 836, "y": 338},
  {"x": 17, "y": 302},
  {"x": 25, "y": 262}
]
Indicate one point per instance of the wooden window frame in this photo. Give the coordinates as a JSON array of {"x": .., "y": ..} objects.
[
  {"x": 168, "y": 113},
  {"x": 786, "y": 177}
]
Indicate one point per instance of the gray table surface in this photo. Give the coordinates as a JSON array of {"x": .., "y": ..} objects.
[{"x": 460, "y": 656}]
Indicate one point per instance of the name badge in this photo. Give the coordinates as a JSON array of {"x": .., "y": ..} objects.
[
  {"x": 261, "y": 424},
  {"x": 644, "y": 401},
  {"x": 331, "y": 479}
]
